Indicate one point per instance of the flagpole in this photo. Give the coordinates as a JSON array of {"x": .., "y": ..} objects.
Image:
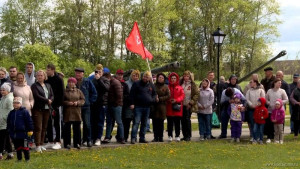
[{"x": 149, "y": 69}]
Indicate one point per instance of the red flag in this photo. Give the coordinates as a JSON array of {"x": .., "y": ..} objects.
[
  {"x": 134, "y": 42},
  {"x": 148, "y": 54}
]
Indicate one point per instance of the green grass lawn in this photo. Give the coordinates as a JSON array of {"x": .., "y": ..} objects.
[{"x": 207, "y": 154}]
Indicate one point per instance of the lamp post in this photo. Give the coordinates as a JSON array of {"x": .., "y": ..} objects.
[{"x": 218, "y": 36}]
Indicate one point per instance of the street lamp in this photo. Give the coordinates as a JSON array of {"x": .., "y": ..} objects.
[{"x": 218, "y": 36}]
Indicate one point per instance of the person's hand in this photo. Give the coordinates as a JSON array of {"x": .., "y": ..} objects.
[
  {"x": 97, "y": 76},
  {"x": 274, "y": 121},
  {"x": 173, "y": 101},
  {"x": 157, "y": 99},
  {"x": 71, "y": 103},
  {"x": 131, "y": 107},
  {"x": 75, "y": 103},
  {"x": 29, "y": 133},
  {"x": 298, "y": 103},
  {"x": 49, "y": 102}
]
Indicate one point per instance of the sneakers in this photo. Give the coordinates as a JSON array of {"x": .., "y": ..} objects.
[
  {"x": 232, "y": 140},
  {"x": 177, "y": 139},
  {"x": 238, "y": 140},
  {"x": 49, "y": 145},
  {"x": 281, "y": 141},
  {"x": 268, "y": 141},
  {"x": 143, "y": 141},
  {"x": 251, "y": 140},
  {"x": 201, "y": 138},
  {"x": 170, "y": 138},
  {"x": 56, "y": 146},
  {"x": 84, "y": 143},
  {"x": 132, "y": 141},
  {"x": 43, "y": 148},
  {"x": 9, "y": 157},
  {"x": 68, "y": 146},
  {"x": 97, "y": 142},
  {"x": 221, "y": 137},
  {"x": 105, "y": 141},
  {"x": 89, "y": 144},
  {"x": 254, "y": 142},
  {"x": 261, "y": 142},
  {"x": 276, "y": 142},
  {"x": 38, "y": 149}
]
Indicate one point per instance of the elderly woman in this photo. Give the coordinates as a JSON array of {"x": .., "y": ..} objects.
[
  {"x": 43, "y": 97},
  {"x": 21, "y": 89},
  {"x": 6, "y": 105},
  {"x": 3, "y": 79},
  {"x": 73, "y": 100},
  {"x": 272, "y": 95}
]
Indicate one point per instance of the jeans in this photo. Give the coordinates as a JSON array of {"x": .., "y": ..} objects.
[
  {"x": 224, "y": 121},
  {"x": 204, "y": 123},
  {"x": 258, "y": 131},
  {"x": 109, "y": 124},
  {"x": 86, "y": 118},
  {"x": 98, "y": 118},
  {"x": 117, "y": 115},
  {"x": 186, "y": 122},
  {"x": 148, "y": 125},
  {"x": 251, "y": 121},
  {"x": 141, "y": 115}
]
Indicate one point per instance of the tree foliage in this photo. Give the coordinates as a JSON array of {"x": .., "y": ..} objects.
[{"x": 94, "y": 31}]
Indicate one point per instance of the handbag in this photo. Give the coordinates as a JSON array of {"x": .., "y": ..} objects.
[{"x": 176, "y": 106}]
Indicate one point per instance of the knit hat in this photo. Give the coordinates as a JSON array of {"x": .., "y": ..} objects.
[
  {"x": 277, "y": 102},
  {"x": 72, "y": 79},
  {"x": 106, "y": 70},
  {"x": 18, "y": 100},
  {"x": 237, "y": 95},
  {"x": 6, "y": 86}
]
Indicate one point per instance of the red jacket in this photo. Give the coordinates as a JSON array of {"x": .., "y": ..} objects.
[
  {"x": 177, "y": 93},
  {"x": 261, "y": 112}
]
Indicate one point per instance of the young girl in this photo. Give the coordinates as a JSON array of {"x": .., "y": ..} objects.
[
  {"x": 277, "y": 118},
  {"x": 260, "y": 115},
  {"x": 20, "y": 127},
  {"x": 236, "y": 113}
]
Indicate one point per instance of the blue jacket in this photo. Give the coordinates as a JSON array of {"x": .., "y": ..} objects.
[
  {"x": 19, "y": 123},
  {"x": 89, "y": 91}
]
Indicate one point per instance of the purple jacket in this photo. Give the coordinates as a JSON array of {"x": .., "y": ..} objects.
[{"x": 278, "y": 114}]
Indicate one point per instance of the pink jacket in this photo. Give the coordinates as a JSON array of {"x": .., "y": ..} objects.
[{"x": 278, "y": 114}]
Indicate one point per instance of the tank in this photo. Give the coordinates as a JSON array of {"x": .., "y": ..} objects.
[
  {"x": 166, "y": 68},
  {"x": 280, "y": 54}
]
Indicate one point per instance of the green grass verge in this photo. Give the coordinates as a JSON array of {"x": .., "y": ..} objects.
[{"x": 207, "y": 154}]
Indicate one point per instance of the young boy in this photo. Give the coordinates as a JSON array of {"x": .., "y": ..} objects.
[
  {"x": 236, "y": 113},
  {"x": 20, "y": 127},
  {"x": 277, "y": 117},
  {"x": 260, "y": 115}
]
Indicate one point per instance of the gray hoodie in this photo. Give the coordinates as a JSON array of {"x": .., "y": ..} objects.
[{"x": 30, "y": 79}]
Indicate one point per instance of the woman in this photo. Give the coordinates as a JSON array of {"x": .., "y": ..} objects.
[
  {"x": 21, "y": 89},
  {"x": 73, "y": 100},
  {"x": 191, "y": 95},
  {"x": 174, "y": 106},
  {"x": 6, "y": 105},
  {"x": 295, "y": 99},
  {"x": 205, "y": 103},
  {"x": 3, "y": 79},
  {"x": 159, "y": 110},
  {"x": 43, "y": 97},
  {"x": 253, "y": 94},
  {"x": 272, "y": 95}
]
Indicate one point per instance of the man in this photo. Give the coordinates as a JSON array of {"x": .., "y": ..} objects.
[
  {"x": 293, "y": 86},
  {"x": 284, "y": 85},
  {"x": 57, "y": 85},
  {"x": 90, "y": 94},
  {"x": 269, "y": 79},
  {"x": 233, "y": 82},
  {"x": 29, "y": 73},
  {"x": 13, "y": 71},
  {"x": 226, "y": 100},
  {"x": 99, "y": 70},
  {"x": 115, "y": 103},
  {"x": 99, "y": 108},
  {"x": 142, "y": 96}
]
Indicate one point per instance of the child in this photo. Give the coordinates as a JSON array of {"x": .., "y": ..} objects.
[
  {"x": 277, "y": 118},
  {"x": 20, "y": 126},
  {"x": 236, "y": 113},
  {"x": 260, "y": 115}
]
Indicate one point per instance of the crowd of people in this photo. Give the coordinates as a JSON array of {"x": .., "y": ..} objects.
[{"x": 38, "y": 111}]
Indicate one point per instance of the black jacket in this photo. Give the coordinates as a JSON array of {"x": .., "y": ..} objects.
[
  {"x": 286, "y": 87},
  {"x": 102, "y": 86},
  {"x": 142, "y": 94},
  {"x": 293, "y": 86},
  {"x": 267, "y": 83},
  {"x": 39, "y": 97},
  {"x": 57, "y": 85}
]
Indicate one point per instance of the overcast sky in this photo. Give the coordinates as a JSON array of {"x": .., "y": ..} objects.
[{"x": 289, "y": 39}]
